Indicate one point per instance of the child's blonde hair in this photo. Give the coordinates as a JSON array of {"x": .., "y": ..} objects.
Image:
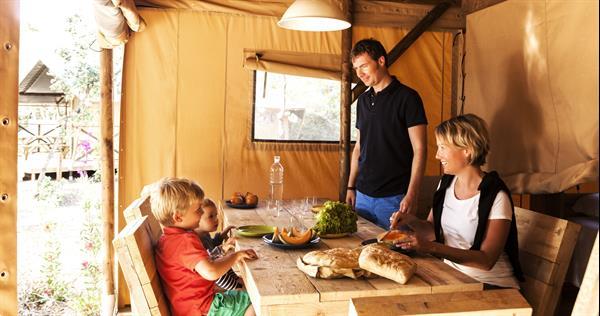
[
  {"x": 466, "y": 132},
  {"x": 208, "y": 203},
  {"x": 174, "y": 196}
]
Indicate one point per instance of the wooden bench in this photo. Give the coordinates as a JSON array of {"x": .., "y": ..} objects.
[
  {"x": 494, "y": 302},
  {"x": 135, "y": 252},
  {"x": 140, "y": 208},
  {"x": 545, "y": 248}
]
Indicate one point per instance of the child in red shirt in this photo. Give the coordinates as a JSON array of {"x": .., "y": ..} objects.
[{"x": 188, "y": 275}]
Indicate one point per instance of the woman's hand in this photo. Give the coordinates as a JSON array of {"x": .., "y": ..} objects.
[
  {"x": 414, "y": 242},
  {"x": 399, "y": 218}
]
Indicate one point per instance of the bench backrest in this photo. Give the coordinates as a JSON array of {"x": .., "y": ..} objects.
[
  {"x": 545, "y": 248},
  {"x": 135, "y": 253},
  {"x": 140, "y": 208}
]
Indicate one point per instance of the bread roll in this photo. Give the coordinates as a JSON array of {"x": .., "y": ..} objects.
[
  {"x": 393, "y": 236},
  {"x": 389, "y": 264}
]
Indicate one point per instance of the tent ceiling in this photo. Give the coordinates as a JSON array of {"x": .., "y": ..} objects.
[{"x": 117, "y": 18}]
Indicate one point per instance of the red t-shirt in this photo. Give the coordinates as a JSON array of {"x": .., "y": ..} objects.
[{"x": 177, "y": 253}]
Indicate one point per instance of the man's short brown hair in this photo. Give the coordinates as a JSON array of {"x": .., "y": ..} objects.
[
  {"x": 174, "y": 196},
  {"x": 369, "y": 46}
]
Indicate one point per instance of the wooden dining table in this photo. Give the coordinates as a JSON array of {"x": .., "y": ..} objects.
[{"x": 277, "y": 287}]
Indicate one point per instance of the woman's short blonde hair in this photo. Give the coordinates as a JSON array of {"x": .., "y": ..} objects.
[
  {"x": 174, "y": 196},
  {"x": 466, "y": 132}
]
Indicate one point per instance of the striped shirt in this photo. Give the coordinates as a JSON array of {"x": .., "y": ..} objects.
[{"x": 229, "y": 280}]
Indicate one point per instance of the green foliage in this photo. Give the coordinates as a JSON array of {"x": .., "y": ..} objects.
[
  {"x": 51, "y": 294},
  {"x": 87, "y": 300},
  {"x": 50, "y": 289},
  {"x": 80, "y": 76},
  {"x": 335, "y": 218}
]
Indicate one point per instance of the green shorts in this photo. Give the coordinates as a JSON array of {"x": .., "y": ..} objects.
[{"x": 230, "y": 303}]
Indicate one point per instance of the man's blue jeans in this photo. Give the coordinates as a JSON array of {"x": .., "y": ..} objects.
[{"x": 377, "y": 210}]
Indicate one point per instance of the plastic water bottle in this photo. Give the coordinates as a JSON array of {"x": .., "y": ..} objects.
[{"x": 276, "y": 182}]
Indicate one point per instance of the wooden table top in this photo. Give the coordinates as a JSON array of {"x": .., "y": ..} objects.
[{"x": 274, "y": 280}]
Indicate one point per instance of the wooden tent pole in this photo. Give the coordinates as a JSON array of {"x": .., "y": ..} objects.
[
  {"x": 345, "y": 103},
  {"x": 108, "y": 175},
  {"x": 408, "y": 40},
  {"x": 9, "y": 72}
]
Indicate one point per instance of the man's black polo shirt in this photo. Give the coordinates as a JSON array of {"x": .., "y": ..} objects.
[{"x": 386, "y": 153}]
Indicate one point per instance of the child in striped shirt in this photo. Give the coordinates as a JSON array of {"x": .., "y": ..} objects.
[{"x": 218, "y": 245}]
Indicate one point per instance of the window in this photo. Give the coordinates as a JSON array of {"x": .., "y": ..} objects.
[{"x": 297, "y": 109}]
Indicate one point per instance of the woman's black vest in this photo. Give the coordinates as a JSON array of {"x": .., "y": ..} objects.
[{"x": 489, "y": 188}]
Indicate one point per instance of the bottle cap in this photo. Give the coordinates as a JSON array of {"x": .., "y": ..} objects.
[{"x": 276, "y": 159}]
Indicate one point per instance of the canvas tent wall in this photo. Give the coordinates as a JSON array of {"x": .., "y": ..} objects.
[
  {"x": 205, "y": 90},
  {"x": 532, "y": 74}
]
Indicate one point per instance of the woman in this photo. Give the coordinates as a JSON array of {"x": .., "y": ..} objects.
[{"x": 471, "y": 224}]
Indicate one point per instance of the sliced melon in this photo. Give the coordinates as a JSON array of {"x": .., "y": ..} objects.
[
  {"x": 302, "y": 239},
  {"x": 296, "y": 232},
  {"x": 276, "y": 235}
]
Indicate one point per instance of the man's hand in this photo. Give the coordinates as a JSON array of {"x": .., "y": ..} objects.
[
  {"x": 408, "y": 204},
  {"x": 351, "y": 198}
]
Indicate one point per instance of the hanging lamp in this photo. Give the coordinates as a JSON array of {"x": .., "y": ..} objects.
[{"x": 314, "y": 15}]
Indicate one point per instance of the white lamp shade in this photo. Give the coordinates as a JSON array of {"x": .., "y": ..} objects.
[{"x": 314, "y": 15}]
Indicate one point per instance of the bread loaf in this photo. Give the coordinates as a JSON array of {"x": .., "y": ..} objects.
[
  {"x": 333, "y": 258},
  {"x": 389, "y": 264}
]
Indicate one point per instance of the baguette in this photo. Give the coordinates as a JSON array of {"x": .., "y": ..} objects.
[{"x": 389, "y": 264}]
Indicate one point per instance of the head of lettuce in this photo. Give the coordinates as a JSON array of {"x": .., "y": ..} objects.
[{"x": 336, "y": 218}]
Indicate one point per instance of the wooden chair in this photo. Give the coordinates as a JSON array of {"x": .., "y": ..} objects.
[
  {"x": 507, "y": 302},
  {"x": 135, "y": 253},
  {"x": 545, "y": 248}
]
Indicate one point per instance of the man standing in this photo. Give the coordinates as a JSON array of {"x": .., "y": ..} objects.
[{"x": 388, "y": 160}]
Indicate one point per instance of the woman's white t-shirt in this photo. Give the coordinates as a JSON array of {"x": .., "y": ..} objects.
[{"x": 459, "y": 224}]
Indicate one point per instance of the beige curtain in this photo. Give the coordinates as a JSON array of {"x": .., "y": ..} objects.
[{"x": 532, "y": 73}]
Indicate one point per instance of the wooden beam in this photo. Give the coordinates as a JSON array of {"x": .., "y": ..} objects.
[
  {"x": 108, "y": 170},
  {"x": 345, "y": 103},
  {"x": 9, "y": 90},
  {"x": 458, "y": 41},
  {"x": 407, "y": 41},
  {"x": 470, "y": 6},
  {"x": 406, "y": 15}
]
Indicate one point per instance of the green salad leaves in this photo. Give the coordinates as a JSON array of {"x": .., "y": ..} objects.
[{"x": 336, "y": 218}]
